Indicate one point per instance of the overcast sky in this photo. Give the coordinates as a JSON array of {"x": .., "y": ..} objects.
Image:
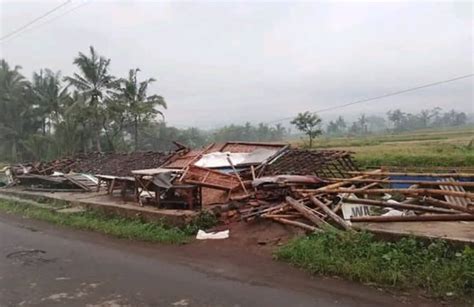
[{"x": 221, "y": 62}]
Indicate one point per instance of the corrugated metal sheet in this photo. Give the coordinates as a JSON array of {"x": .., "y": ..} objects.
[{"x": 233, "y": 147}]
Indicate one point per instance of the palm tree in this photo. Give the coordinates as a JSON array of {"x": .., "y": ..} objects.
[
  {"x": 15, "y": 113},
  {"x": 96, "y": 84},
  {"x": 47, "y": 93},
  {"x": 140, "y": 107}
]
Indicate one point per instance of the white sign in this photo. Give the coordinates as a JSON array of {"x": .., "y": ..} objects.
[{"x": 349, "y": 210}]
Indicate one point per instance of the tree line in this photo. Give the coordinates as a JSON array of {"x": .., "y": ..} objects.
[
  {"x": 395, "y": 121},
  {"x": 398, "y": 121},
  {"x": 50, "y": 116}
]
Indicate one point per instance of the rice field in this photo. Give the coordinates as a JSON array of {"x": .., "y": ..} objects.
[{"x": 423, "y": 148}]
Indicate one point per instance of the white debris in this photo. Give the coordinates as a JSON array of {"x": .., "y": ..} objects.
[
  {"x": 393, "y": 212},
  {"x": 202, "y": 235}
]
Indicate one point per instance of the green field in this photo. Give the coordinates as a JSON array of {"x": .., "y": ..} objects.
[{"x": 422, "y": 148}]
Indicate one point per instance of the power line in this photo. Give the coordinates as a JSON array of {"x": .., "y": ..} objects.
[
  {"x": 49, "y": 20},
  {"x": 380, "y": 97},
  {"x": 35, "y": 20}
]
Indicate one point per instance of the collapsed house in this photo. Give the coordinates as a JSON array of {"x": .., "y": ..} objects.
[
  {"x": 249, "y": 181},
  {"x": 185, "y": 178}
]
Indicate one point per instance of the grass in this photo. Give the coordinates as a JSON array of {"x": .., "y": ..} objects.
[
  {"x": 91, "y": 220},
  {"x": 423, "y": 148},
  {"x": 436, "y": 267}
]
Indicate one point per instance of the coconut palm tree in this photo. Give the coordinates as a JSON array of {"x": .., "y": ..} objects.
[
  {"x": 140, "y": 107},
  {"x": 96, "y": 84},
  {"x": 50, "y": 97},
  {"x": 15, "y": 119}
]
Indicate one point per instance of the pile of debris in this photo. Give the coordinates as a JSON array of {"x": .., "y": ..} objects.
[
  {"x": 247, "y": 181},
  {"x": 114, "y": 164},
  {"x": 370, "y": 197}
]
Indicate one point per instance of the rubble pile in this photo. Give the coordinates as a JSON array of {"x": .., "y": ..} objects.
[
  {"x": 114, "y": 164},
  {"x": 322, "y": 163},
  {"x": 371, "y": 197},
  {"x": 245, "y": 181}
]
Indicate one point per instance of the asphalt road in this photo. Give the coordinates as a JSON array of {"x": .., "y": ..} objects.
[{"x": 46, "y": 265}]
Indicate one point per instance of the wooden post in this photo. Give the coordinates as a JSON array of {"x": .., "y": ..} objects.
[{"x": 330, "y": 213}]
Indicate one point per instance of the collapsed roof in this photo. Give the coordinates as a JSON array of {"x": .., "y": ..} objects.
[{"x": 322, "y": 163}]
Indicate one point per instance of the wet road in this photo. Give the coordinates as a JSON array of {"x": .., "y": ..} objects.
[{"x": 46, "y": 265}]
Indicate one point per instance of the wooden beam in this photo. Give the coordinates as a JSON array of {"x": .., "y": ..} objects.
[
  {"x": 331, "y": 214},
  {"x": 445, "y": 204},
  {"x": 431, "y": 183},
  {"x": 297, "y": 224},
  {"x": 306, "y": 212},
  {"x": 414, "y": 218},
  {"x": 384, "y": 204},
  {"x": 344, "y": 182},
  {"x": 401, "y": 191},
  {"x": 454, "y": 175}
]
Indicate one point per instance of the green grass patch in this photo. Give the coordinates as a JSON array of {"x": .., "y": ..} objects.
[
  {"x": 436, "y": 267},
  {"x": 430, "y": 154},
  {"x": 95, "y": 221}
]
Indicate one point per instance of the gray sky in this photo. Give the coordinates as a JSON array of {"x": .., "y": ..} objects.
[{"x": 220, "y": 62}]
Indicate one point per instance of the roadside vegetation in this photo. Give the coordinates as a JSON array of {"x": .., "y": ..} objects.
[
  {"x": 439, "y": 269},
  {"x": 95, "y": 221}
]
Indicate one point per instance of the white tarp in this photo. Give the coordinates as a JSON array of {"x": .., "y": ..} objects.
[
  {"x": 219, "y": 159},
  {"x": 202, "y": 235}
]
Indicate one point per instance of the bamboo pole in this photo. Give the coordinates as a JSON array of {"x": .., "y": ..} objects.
[
  {"x": 237, "y": 174},
  {"x": 401, "y": 191},
  {"x": 343, "y": 182},
  {"x": 306, "y": 212},
  {"x": 384, "y": 204},
  {"x": 445, "y": 204},
  {"x": 454, "y": 175},
  {"x": 414, "y": 218},
  {"x": 432, "y": 183},
  {"x": 331, "y": 214},
  {"x": 297, "y": 224},
  {"x": 285, "y": 216}
]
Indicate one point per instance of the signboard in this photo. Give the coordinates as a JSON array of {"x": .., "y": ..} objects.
[{"x": 349, "y": 210}]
